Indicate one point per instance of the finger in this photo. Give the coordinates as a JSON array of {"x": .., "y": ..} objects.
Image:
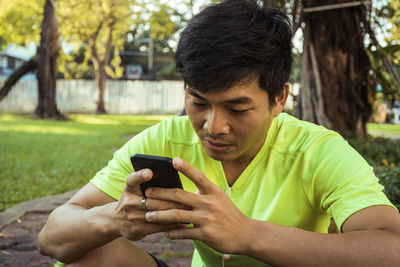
[
  {"x": 156, "y": 204},
  {"x": 193, "y": 233},
  {"x": 154, "y": 227},
  {"x": 170, "y": 216},
  {"x": 195, "y": 175},
  {"x": 136, "y": 178},
  {"x": 173, "y": 195},
  {"x": 147, "y": 229}
]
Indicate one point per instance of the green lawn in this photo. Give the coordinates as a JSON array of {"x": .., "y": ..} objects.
[
  {"x": 384, "y": 128},
  {"x": 46, "y": 157}
]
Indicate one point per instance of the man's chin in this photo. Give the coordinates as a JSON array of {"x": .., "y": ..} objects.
[{"x": 220, "y": 156}]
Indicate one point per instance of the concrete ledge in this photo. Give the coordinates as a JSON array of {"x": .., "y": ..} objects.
[{"x": 44, "y": 204}]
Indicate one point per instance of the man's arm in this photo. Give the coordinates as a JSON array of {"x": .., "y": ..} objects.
[
  {"x": 92, "y": 218},
  {"x": 79, "y": 226},
  {"x": 371, "y": 236}
]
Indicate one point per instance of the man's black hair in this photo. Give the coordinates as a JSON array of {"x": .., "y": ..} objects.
[{"x": 236, "y": 41}]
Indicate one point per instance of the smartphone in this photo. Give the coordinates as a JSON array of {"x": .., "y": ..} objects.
[{"x": 164, "y": 174}]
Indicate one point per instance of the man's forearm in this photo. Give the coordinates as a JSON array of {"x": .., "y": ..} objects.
[
  {"x": 289, "y": 246},
  {"x": 72, "y": 231}
]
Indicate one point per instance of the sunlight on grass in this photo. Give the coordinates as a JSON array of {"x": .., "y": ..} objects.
[
  {"x": 384, "y": 128},
  {"x": 46, "y": 157},
  {"x": 51, "y": 129},
  {"x": 118, "y": 119}
]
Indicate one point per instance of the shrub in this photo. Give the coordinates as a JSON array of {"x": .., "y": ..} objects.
[{"x": 390, "y": 179}]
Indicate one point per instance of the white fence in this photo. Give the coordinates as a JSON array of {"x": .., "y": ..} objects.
[{"x": 121, "y": 97}]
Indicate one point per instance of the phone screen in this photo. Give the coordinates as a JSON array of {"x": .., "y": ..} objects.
[{"x": 164, "y": 174}]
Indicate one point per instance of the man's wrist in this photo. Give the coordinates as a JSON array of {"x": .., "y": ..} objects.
[
  {"x": 105, "y": 220},
  {"x": 254, "y": 243}
]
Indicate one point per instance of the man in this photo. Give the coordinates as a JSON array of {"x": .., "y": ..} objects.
[{"x": 261, "y": 187}]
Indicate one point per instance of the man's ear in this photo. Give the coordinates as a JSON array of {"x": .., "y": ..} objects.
[{"x": 280, "y": 100}]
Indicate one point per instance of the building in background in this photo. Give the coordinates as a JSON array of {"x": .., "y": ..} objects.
[{"x": 9, "y": 63}]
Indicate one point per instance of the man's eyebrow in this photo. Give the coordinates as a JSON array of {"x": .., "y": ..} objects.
[
  {"x": 239, "y": 100},
  {"x": 193, "y": 93}
]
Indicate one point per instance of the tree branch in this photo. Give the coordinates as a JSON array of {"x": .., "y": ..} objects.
[
  {"x": 386, "y": 63},
  {"x": 16, "y": 75}
]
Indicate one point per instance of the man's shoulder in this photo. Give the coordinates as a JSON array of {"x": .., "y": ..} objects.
[
  {"x": 295, "y": 135},
  {"x": 177, "y": 130}
]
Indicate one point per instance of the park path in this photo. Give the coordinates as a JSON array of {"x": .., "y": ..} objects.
[{"x": 20, "y": 225}]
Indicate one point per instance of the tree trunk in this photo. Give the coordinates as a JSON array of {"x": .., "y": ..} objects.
[
  {"x": 335, "y": 69},
  {"x": 100, "y": 66},
  {"x": 47, "y": 65},
  {"x": 16, "y": 75},
  {"x": 101, "y": 79}
]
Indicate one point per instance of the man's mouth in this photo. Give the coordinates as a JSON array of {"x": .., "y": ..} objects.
[{"x": 217, "y": 146}]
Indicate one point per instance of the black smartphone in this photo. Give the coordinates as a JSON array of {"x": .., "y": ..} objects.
[{"x": 164, "y": 174}]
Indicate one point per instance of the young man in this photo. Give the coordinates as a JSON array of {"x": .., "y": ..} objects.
[{"x": 259, "y": 185}]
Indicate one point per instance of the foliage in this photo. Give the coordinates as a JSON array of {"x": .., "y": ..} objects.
[
  {"x": 46, "y": 157},
  {"x": 395, "y": 31},
  {"x": 76, "y": 65},
  {"x": 382, "y": 76},
  {"x": 105, "y": 23},
  {"x": 168, "y": 72},
  {"x": 390, "y": 178},
  {"x": 20, "y": 22}
]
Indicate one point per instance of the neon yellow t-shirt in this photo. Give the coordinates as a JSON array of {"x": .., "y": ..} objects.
[{"x": 303, "y": 176}]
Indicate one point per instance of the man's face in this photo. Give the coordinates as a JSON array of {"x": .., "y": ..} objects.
[{"x": 232, "y": 124}]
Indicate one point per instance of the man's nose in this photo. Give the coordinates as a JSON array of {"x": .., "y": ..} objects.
[{"x": 216, "y": 123}]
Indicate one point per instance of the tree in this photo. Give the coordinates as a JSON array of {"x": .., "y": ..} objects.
[
  {"x": 20, "y": 22},
  {"x": 383, "y": 57},
  {"x": 20, "y": 31},
  {"x": 47, "y": 67},
  {"x": 338, "y": 84},
  {"x": 335, "y": 67},
  {"x": 101, "y": 31},
  {"x": 20, "y": 26}
]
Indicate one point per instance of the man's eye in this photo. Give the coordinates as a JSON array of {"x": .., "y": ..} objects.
[
  {"x": 239, "y": 111},
  {"x": 197, "y": 104}
]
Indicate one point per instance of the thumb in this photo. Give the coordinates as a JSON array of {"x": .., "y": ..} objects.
[{"x": 136, "y": 178}]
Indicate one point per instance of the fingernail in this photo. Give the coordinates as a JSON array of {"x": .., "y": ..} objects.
[
  {"x": 148, "y": 215},
  {"x": 146, "y": 174},
  {"x": 178, "y": 162},
  {"x": 148, "y": 191}
]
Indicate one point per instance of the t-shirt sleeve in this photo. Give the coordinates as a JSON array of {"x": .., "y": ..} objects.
[
  {"x": 340, "y": 181},
  {"x": 112, "y": 178}
]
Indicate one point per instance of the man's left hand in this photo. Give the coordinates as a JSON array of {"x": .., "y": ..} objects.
[{"x": 217, "y": 221}]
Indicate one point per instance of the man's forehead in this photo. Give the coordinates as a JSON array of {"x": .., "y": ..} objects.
[
  {"x": 242, "y": 93},
  {"x": 229, "y": 96}
]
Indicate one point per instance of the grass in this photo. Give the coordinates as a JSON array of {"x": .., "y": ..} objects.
[
  {"x": 46, "y": 157},
  {"x": 384, "y": 128}
]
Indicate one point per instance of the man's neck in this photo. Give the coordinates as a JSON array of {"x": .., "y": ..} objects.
[{"x": 232, "y": 171}]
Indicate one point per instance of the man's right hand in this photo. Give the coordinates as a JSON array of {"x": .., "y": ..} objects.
[{"x": 130, "y": 213}]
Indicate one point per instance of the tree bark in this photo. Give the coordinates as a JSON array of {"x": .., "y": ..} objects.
[
  {"x": 16, "y": 75},
  {"x": 101, "y": 79},
  {"x": 47, "y": 67},
  {"x": 337, "y": 69}
]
